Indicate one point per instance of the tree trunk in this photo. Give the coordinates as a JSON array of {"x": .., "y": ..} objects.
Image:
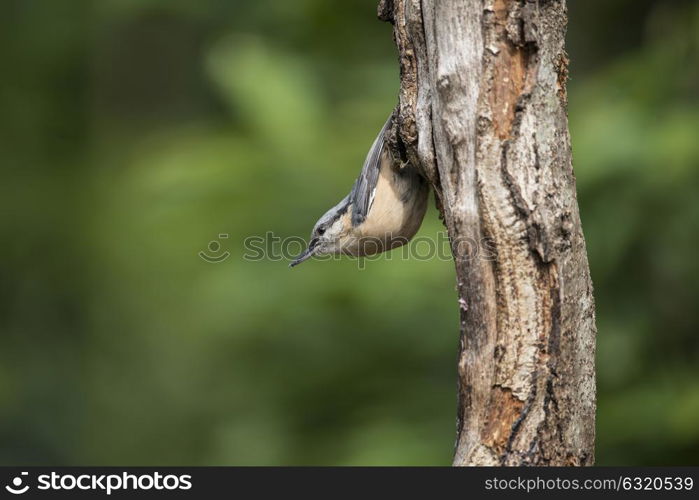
[{"x": 482, "y": 113}]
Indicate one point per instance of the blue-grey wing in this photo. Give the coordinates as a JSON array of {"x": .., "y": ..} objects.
[{"x": 362, "y": 194}]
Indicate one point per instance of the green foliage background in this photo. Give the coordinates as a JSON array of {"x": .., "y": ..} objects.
[{"x": 133, "y": 133}]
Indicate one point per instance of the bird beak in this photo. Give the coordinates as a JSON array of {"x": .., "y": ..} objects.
[{"x": 305, "y": 255}]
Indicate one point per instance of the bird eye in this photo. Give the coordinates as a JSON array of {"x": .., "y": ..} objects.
[{"x": 320, "y": 231}]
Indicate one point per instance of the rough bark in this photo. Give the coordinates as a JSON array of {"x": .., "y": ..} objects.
[{"x": 482, "y": 113}]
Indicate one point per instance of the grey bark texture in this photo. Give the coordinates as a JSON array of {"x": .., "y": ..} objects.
[{"x": 482, "y": 112}]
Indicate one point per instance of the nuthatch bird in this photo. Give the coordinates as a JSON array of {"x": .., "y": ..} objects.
[{"x": 383, "y": 211}]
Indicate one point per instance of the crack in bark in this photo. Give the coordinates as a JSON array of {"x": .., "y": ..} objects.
[
  {"x": 517, "y": 426},
  {"x": 514, "y": 64}
]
